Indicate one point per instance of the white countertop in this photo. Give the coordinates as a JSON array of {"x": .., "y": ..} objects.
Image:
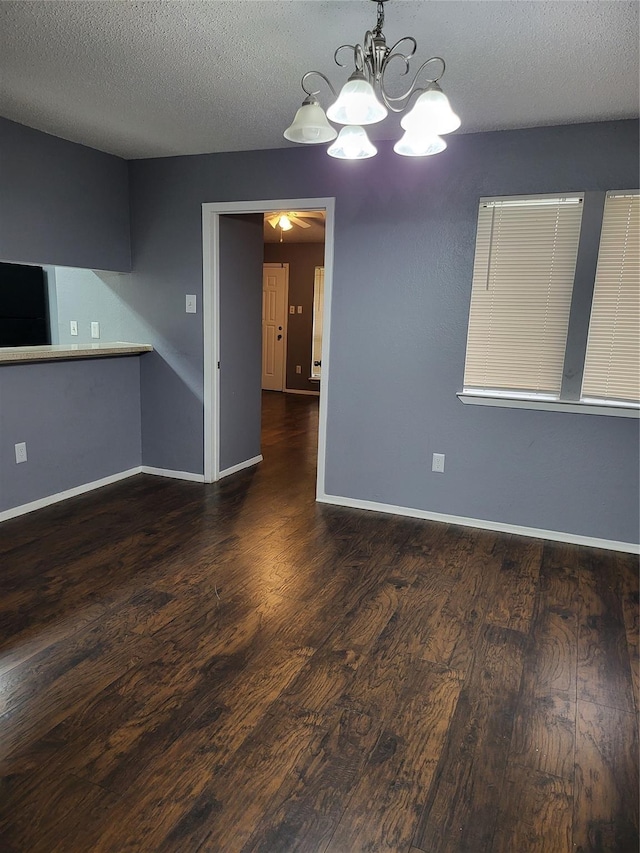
[{"x": 15, "y": 355}]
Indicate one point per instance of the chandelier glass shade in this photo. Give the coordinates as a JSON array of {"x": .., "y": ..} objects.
[
  {"x": 352, "y": 144},
  {"x": 357, "y": 103},
  {"x": 365, "y": 99},
  {"x": 310, "y": 125},
  {"x": 416, "y": 144},
  {"x": 432, "y": 111}
]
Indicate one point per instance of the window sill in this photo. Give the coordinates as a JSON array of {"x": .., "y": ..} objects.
[{"x": 549, "y": 405}]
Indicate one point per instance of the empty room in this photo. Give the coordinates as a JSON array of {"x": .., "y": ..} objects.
[{"x": 319, "y": 426}]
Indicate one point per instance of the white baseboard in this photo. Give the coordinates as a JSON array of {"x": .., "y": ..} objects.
[
  {"x": 175, "y": 475},
  {"x": 535, "y": 532},
  {"x": 297, "y": 391},
  {"x": 248, "y": 463},
  {"x": 15, "y": 511}
]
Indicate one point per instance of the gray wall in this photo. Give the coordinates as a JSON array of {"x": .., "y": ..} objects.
[
  {"x": 240, "y": 337},
  {"x": 80, "y": 419},
  {"x": 303, "y": 258},
  {"x": 61, "y": 203},
  {"x": 88, "y": 295},
  {"x": 405, "y": 232}
]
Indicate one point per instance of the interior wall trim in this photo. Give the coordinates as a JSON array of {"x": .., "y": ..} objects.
[
  {"x": 174, "y": 475},
  {"x": 23, "y": 509},
  {"x": 482, "y": 524},
  {"x": 248, "y": 463},
  {"x": 302, "y": 391},
  {"x": 211, "y": 213}
]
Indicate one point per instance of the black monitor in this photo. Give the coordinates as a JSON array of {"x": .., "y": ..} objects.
[{"x": 24, "y": 306}]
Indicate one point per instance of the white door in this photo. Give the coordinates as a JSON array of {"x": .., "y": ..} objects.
[{"x": 274, "y": 315}]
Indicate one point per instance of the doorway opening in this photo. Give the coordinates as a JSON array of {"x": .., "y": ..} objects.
[
  {"x": 292, "y": 301},
  {"x": 223, "y": 384}
]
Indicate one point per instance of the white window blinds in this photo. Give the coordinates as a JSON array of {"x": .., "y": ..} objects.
[
  {"x": 612, "y": 364},
  {"x": 525, "y": 260},
  {"x": 318, "y": 307}
]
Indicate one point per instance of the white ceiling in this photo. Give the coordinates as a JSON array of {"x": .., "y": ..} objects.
[{"x": 147, "y": 79}]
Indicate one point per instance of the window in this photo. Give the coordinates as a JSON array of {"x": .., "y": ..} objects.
[
  {"x": 612, "y": 364},
  {"x": 521, "y": 294},
  {"x": 533, "y": 292},
  {"x": 318, "y": 304}
]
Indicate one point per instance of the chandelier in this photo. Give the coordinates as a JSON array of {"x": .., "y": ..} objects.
[{"x": 365, "y": 99}]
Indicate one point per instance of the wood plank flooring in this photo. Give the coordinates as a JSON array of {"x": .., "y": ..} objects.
[{"x": 233, "y": 667}]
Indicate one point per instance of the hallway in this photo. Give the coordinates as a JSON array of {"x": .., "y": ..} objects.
[{"x": 234, "y": 667}]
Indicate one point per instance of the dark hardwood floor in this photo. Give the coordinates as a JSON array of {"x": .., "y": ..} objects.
[{"x": 236, "y": 668}]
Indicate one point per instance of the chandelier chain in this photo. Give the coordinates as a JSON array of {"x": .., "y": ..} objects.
[{"x": 380, "y": 22}]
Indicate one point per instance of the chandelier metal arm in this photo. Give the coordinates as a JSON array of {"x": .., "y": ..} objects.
[
  {"x": 399, "y": 103},
  {"x": 393, "y": 52},
  {"x": 357, "y": 104},
  {"x": 354, "y": 50},
  {"x": 313, "y": 92},
  {"x": 369, "y": 52}
]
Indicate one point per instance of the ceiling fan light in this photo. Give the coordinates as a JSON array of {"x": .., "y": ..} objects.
[
  {"x": 285, "y": 223},
  {"x": 352, "y": 144},
  {"x": 310, "y": 125},
  {"x": 357, "y": 103},
  {"x": 416, "y": 144},
  {"x": 432, "y": 113}
]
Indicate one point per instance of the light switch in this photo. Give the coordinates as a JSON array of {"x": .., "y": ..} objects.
[
  {"x": 190, "y": 303},
  {"x": 95, "y": 329},
  {"x": 299, "y": 309},
  {"x": 73, "y": 327}
]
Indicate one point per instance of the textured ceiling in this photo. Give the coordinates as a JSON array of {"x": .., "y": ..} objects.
[{"x": 145, "y": 79}]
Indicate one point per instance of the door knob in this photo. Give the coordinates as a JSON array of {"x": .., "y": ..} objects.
[{"x": 279, "y": 337}]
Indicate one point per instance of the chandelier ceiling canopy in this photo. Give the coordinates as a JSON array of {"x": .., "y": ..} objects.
[{"x": 366, "y": 99}]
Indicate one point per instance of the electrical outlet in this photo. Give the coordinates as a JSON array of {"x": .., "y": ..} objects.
[
  {"x": 298, "y": 368},
  {"x": 190, "y": 303},
  {"x": 73, "y": 327},
  {"x": 292, "y": 309},
  {"x": 21, "y": 452},
  {"x": 95, "y": 329},
  {"x": 437, "y": 463}
]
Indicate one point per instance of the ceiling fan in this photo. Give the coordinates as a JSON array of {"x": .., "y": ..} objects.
[{"x": 286, "y": 220}]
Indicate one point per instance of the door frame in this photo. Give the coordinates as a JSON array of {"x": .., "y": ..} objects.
[
  {"x": 211, "y": 213},
  {"x": 285, "y": 326}
]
